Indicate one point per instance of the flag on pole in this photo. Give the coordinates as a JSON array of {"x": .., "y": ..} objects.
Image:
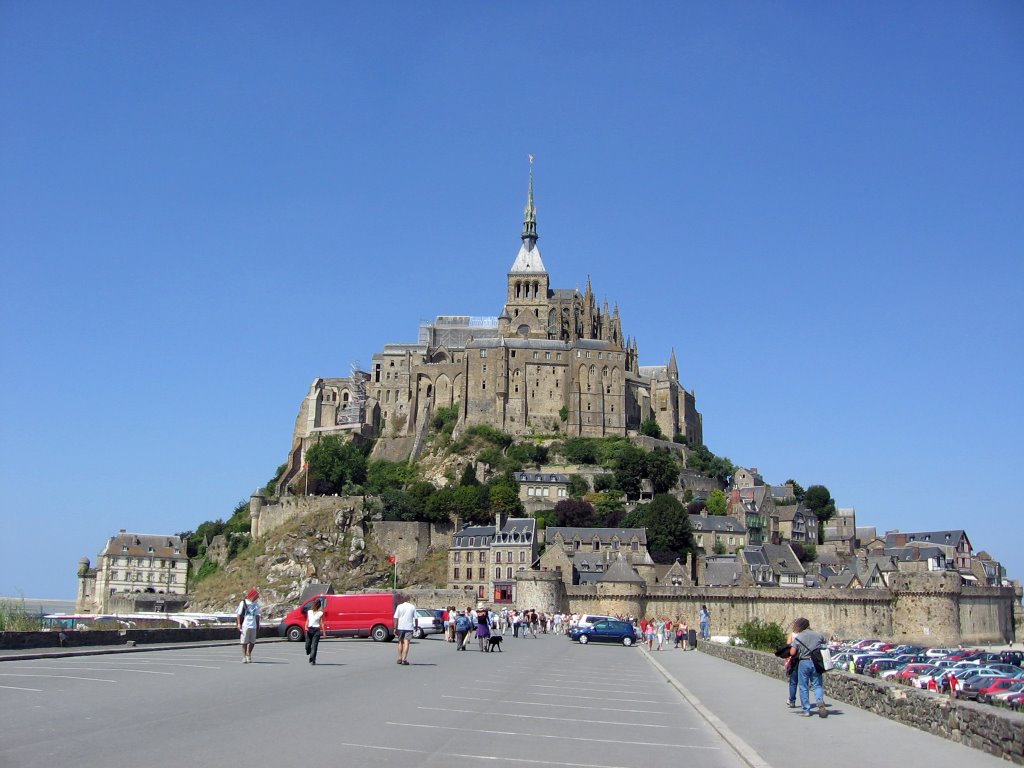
[{"x": 392, "y": 559}]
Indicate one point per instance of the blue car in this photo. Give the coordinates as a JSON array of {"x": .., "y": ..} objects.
[{"x": 605, "y": 632}]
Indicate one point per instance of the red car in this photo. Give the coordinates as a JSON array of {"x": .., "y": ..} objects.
[
  {"x": 911, "y": 671},
  {"x": 997, "y": 685}
]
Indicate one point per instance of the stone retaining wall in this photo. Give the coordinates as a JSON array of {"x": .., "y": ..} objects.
[
  {"x": 82, "y": 638},
  {"x": 998, "y": 731}
]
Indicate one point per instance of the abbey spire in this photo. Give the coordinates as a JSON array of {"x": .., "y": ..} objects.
[{"x": 528, "y": 259}]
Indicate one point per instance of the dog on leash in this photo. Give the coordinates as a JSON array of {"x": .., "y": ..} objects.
[{"x": 493, "y": 643}]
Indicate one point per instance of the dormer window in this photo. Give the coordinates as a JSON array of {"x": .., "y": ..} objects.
[{"x": 124, "y": 547}]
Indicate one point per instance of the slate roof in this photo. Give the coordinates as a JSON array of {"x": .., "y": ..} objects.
[
  {"x": 779, "y": 557},
  {"x": 950, "y": 538},
  {"x": 145, "y": 545},
  {"x": 722, "y": 574},
  {"x": 483, "y": 534},
  {"x": 541, "y": 477},
  {"x": 716, "y": 524},
  {"x": 605, "y": 535},
  {"x": 621, "y": 571}
]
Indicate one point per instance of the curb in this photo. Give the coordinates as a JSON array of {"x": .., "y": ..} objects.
[
  {"x": 103, "y": 651},
  {"x": 745, "y": 752}
]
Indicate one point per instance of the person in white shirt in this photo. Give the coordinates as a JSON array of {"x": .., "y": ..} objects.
[
  {"x": 405, "y": 623},
  {"x": 247, "y": 619},
  {"x": 314, "y": 619}
]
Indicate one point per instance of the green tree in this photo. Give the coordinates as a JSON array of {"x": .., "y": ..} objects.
[
  {"x": 382, "y": 474},
  {"x": 662, "y": 469},
  {"x": 469, "y": 475},
  {"x": 396, "y": 505},
  {"x": 604, "y": 482},
  {"x": 419, "y": 493},
  {"x": 441, "y": 506},
  {"x": 334, "y": 464},
  {"x": 609, "y": 510},
  {"x": 798, "y": 490},
  {"x": 717, "y": 504},
  {"x": 580, "y": 450},
  {"x": 578, "y": 486},
  {"x": 650, "y": 428},
  {"x": 668, "y": 527},
  {"x": 504, "y": 499},
  {"x": 563, "y": 413},
  {"x": 818, "y": 499},
  {"x": 705, "y": 462}
]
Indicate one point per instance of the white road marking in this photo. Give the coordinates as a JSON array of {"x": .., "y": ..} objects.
[
  {"x": 617, "y": 676},
  {"x": 156, "y": 663},
  {"x": 102, "y": 669},
  {"x": 552, "y": 736},
  {"x": 745, "y": 752},
  {"x": 62, "y": 677},
  {"x": 16, "y": 688},
  {"x": 586, "y": 688},
  {"x": 480, "y": 757},
  {"x": 569, "y": 706},
  {"x": 574, "y": 696},
  {"x": 543, "y": 717}
]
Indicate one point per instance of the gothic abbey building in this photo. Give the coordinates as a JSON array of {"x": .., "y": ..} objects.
[{"x": 552, "y": 361}]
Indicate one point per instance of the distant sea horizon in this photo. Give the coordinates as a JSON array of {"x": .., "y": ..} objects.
[{"x": 41, "y": 605}]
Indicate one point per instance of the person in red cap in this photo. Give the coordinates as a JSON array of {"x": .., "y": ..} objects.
[{"x": 247, "y": 618}]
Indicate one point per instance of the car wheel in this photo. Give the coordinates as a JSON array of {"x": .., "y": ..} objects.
[
  {"x": 294, "y": 633},
  {"x": 417, "y": 633},
  {"x": 584, "y": 639},
  {"x": 627, "y": 641},
  {"x": 380, "y": 634}
]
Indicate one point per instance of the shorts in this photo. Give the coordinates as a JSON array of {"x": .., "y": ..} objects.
[
  {"x": 248, "y": 636},
  {"x": 403, "y": 634}
]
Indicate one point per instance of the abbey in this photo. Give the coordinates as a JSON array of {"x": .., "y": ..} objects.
[{"x": 552, "y": 361}]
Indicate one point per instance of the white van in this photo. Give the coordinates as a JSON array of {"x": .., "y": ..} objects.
[{"x": 587, "y": 619}]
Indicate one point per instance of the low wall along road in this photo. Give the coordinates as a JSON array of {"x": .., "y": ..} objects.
[{"x": 999, "y": 732}]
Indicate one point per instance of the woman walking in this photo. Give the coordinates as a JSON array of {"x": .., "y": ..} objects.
[
  {"x": 659, "y": 632},
  {"x": 483, "y": 629},
  {"x": 314, "y": 618},
  {"x": 650, "y": 635}
]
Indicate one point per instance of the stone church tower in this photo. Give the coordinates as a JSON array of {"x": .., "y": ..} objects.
[{"x": 554, "y": 360}]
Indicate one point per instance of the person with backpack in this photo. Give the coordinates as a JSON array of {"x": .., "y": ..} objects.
[
  {"x": 462, "y": 626},
  {"x": 806, "y": 642},
  {"x": 247, "y": 619}
]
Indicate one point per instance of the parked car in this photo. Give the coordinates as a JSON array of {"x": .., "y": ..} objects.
[
  {"x": 1010, "y": 670},
  {"x": 911, "y": 671},
  {"x": 427, "y": 623},
  {"x": 976, "y": 683},
  {"x": 1012, "y": 657},
  {"x": 876, "y": 666},
  {"x": 999, "y": 686},
  {"x": 607, "y": 631},
  {"x": 860, "y": 659},
  {"x": 938, "y": 653},
  {"x": 588, "y": 619},
  {"x": 369, "y": 615}
]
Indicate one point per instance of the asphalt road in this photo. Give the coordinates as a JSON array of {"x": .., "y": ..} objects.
[{"x": 542, "y": 701}]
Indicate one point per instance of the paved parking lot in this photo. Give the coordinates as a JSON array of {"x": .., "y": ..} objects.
[{"x": 540, "y": 702}]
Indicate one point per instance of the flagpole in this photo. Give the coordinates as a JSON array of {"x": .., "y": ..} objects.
[{"x": 396, "y": 573}]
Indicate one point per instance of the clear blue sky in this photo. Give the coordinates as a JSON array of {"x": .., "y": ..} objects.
[{"x": 203, "y": 208}]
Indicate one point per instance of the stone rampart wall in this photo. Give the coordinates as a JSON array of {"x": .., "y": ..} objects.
[
  {"x": 994, "y": 730},
  {"x": 274, "y": 515},
  {"x": 973, "y": 614}
]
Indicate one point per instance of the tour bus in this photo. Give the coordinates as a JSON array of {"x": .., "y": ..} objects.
[{"x": 369, "y": 615}]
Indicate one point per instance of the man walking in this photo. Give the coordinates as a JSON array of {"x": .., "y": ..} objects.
[
  {"x": 247, "y": 619},
  {"x": 405, "y": 623}
]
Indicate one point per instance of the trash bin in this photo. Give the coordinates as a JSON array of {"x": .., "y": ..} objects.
[{"x": 693, "y": 638}]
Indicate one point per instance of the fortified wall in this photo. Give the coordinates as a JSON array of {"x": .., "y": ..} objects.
[
  {"x": 408, "y": 541},
  {"x": 932, "y": 609}
]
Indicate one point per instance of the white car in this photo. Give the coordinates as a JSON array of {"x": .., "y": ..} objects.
[
  {"x": 427, "y": 623},
  {"x": 587, "y": 620}
]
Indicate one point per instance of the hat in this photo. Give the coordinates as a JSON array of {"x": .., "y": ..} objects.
[{"x": 252, "y": 594}]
